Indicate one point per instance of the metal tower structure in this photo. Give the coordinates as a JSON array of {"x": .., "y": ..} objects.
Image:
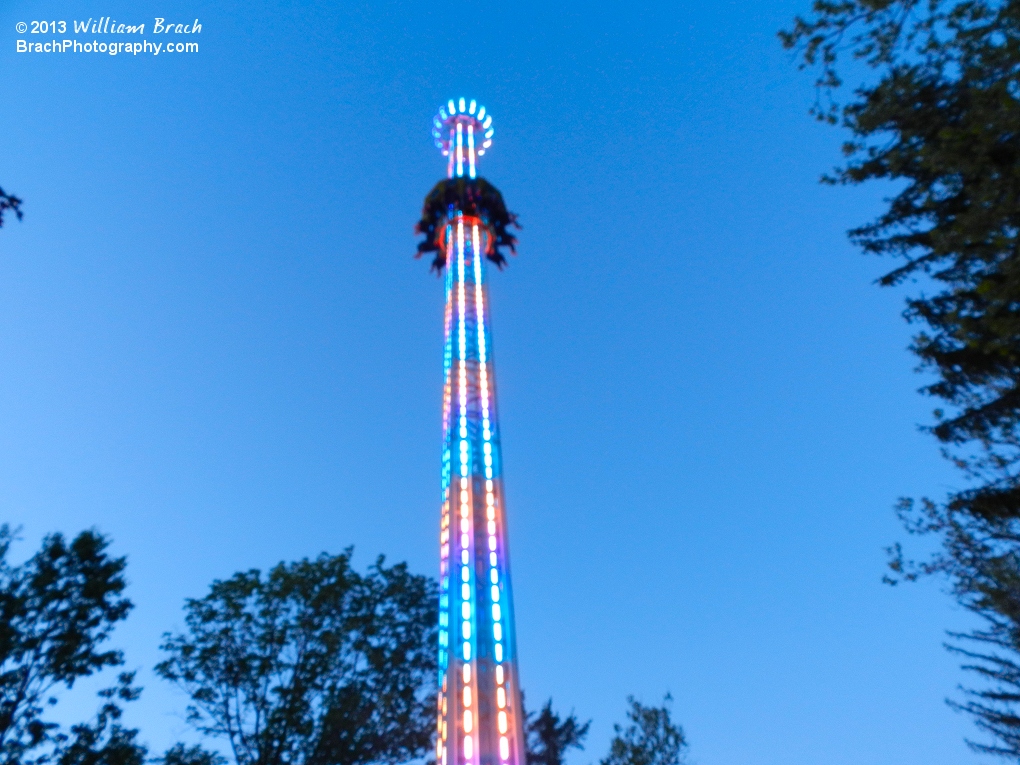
[{"x": 479, "y": 720}]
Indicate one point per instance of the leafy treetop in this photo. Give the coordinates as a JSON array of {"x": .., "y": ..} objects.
[
  {"x": 56, "y": 610},
  {"x": 311, "y": 664},
  {"x": 651, "y": 738}
]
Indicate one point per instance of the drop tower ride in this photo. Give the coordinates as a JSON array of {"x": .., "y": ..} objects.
[{"x": 465, "y": 223}]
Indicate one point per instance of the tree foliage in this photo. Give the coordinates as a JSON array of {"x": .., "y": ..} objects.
[
  {"x": 651, "y": 737},
  {"x": 9, "y": 202},
  {"x": 311, "y": 664},
  {"x": 103, "y": 740},
  {"x": 940, "y": 117},
  {"x": 182, "y": 754},
  {"x": 549, "y": 736},
  {"x": 56, "y": 610}
]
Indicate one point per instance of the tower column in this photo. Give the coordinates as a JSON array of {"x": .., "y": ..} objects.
[
  {"x": 479, "y": 701},
  {"x": 479, "y": 716}
]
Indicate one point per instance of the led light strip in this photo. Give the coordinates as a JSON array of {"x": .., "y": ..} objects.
[
  {"x": 460, "y": 149},
  {"x": 445, "y": 524},
  {"x": 447, "y": 355},
  {"x": 449, "y": 165},
  {"x": 471, "y": 155},
  {"x": 502, "y": 723},
  {"x": 465, "y": 505}
]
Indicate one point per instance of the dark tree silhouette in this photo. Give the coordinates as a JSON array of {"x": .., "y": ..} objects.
[
  {"x": 103, "y": 740},
  {"x": 181, "y": 754},
  {"x": 9, "y": 202},
  {"x": 311, "y": 664},
  {"x": 56, "y": 610},
  {"x": 939, "y": 116},
  {"x": 549, "y": 736},
  {"x": 651, "y": 738}
]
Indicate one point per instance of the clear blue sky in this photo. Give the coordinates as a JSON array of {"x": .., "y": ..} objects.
[{"x": 216, "y": 347}]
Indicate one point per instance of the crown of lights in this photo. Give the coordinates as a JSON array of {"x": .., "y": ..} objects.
[{"x": 462, "y": 131}]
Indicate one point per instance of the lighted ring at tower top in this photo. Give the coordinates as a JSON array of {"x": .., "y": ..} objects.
[{"x": 463, "y": 132}]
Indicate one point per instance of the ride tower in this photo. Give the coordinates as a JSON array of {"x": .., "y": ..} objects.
[{"x": 479, "y": 718}]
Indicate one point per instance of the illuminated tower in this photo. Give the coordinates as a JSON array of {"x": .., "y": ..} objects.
[{"x": 465, "y": 223}]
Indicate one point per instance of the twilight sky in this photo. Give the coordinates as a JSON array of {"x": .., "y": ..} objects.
[{"x": 216, "y": 347}]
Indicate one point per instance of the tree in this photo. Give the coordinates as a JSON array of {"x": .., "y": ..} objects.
[
  {"x": 9, "y": 202},
  {"x": 312, "y": 664},
  {"x": 549, "y": 737},
  {"x": 940, "y": 117},
  {"x": 181, "y": 754},
  {"x": 56, "y": 610},
  {"x": 651, "y": 738},
  {"x": 103, "y": 741}
]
